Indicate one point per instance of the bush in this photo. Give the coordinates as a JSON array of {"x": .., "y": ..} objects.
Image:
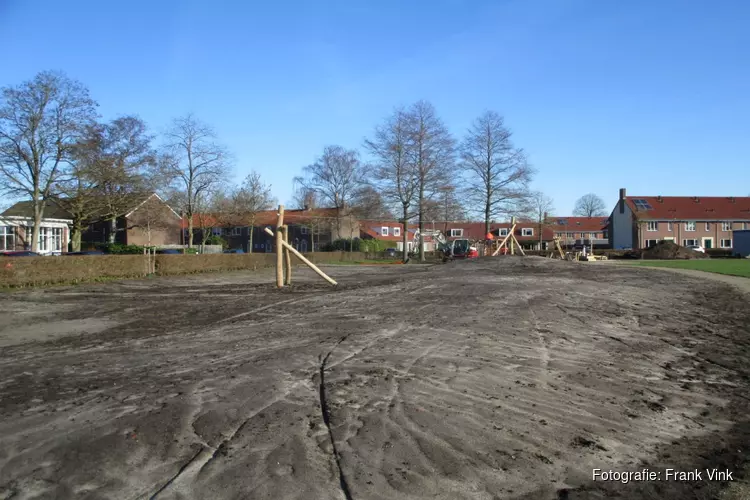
[
  {"x": 217, "y": 240},
  {"x": 120, "y": 249},
  {"x": 343, "y": 245}
]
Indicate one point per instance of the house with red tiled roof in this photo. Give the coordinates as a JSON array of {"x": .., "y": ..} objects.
[
  {"x": 589, "y": 231},
  {"x": 642, "y": 221},
  {"x": 527, "y": 232},
  {"x": 309, "y": 229}
]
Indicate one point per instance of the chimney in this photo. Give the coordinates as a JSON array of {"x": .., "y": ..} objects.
[{"x": 622, "y": 200}]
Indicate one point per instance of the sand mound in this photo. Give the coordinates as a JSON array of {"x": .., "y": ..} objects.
[{"x": 670, "y": 250}]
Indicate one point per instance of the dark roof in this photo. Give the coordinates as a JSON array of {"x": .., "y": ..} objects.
[
  {"x": 587, "y": 224},
  {"x": 689, "y": 207},
  {"x": 26, "y": 209}
]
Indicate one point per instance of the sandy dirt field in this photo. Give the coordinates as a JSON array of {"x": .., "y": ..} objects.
[{"x": 492, "y": 379}]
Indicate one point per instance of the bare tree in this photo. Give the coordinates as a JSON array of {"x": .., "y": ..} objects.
[
  {"x": 590, "y": 205},
  {"x": 307, "y": 199},
  {"x": 445, "y": 207},
  {"x": 432, "y": 154},
  {"x": 40, "y": 122},
  {"x": 335, "y": 178},
  {"x": 393, "y": 174},
  {"x": 122, "y": 165},
  {"x": 198, "y": 163},
  {"x": 368, "y": 203},
  {"x": 538, "y": 208},
  {"x": 249, "y": 199},
  {"x": 498, "y": 173}
]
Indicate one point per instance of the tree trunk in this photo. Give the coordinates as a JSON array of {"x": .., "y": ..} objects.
[
  {"x": 250, "y": 239},
  {"x": 38, "y": 213},
  {"x": 75, "y": 238},
  {"x": 190, "y": 230},
  {"x": 421, "y": 223},
  {"x": 112, "y": 229},
  {"x": 405, "y": 234}
]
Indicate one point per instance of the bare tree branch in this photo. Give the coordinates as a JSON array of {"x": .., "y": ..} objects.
[
  {"x": 590, "y": 205},
  {"x": 249, "y": 199},
  {"x": 197, "y": 164},
  {"x": 40, "y": 122},
  {"x": 498, "y": 172},
  {"x": 335, "y": 178},
  {"x": 393, "y": 174}
]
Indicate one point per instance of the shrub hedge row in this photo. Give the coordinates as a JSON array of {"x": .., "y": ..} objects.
[{"x": 34, "y": 271}]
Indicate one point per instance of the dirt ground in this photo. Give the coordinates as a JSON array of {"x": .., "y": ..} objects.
[{"x": 491, "y": 379}]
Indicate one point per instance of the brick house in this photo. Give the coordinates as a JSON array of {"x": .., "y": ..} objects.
[
  {"x": 309, "y": 229},
  {"x": 16, "y": 229},
  {"x": 149, "y": 221},
  {"x": 527, "y": 233},
  {"x": 642, "y": 221},
  {"x": 589, "y": 231}
]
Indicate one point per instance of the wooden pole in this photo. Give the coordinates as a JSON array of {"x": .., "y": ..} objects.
[
  {"x": 304, "y": 260},
  {"x": 513, "y": 238},
  {"x": 287, "y": 258},
  {"x": 502, "y": 243},
  {"x": 279, "y": 248}
]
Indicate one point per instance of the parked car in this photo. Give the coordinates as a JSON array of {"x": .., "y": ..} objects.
[
  {"x": 86, "y": 252},
  {"x": 391, "y": 252},
  {"x": 20, "y": 253},
  {"x": 696, "y": 248},
  {"x": 234, "y": 250},
  {"x": 169, "y": 251}
]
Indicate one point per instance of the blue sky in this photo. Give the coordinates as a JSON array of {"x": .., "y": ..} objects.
[{"x": 649, "y": 95}]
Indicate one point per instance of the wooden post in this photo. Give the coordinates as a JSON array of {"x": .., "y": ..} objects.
[
  {"x": 280, "y": 248},
  {"x": 145, "y": 262},
  {"x": 513, "y": 237},
  {"x": 304, "y": 260},
  {"x": 287, "y": 258}
]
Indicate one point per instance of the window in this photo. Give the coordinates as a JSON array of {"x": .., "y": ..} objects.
[
  {"x": 687, "y": 243},
  {"x": 708, "y": 226},
  {"x": 604, "y": 235},
  {"x": 562, "y": 222},
  {"x": 303, "y": 246},
  {"x": 396, "y": 231},
  {"x": 669, "y": 227},
  {"x": 457, "y": 233},
  {"x": 652, "y": 226},
  {"x": 726, "y": 226},
  {"x": 303, "y": 230},
  {"x": 236, "y": 231},
  {"x": 383, "y": 231},
  {"x": 690, "y": 226},
  {"x": 726, "y": 243},
  {"x": 527, "y": 231},
  {"x": 55, "y": 237},
  {"x": 7, "y": 238},
  {"x": 503, "y": 231},
  {"x": 651, "y": 243},
  {"x": 570, "y": 235},
  {"x": 216, "y": 231}
]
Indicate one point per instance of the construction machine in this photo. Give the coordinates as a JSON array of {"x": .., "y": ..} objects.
[{"x": 456, "y": 249}]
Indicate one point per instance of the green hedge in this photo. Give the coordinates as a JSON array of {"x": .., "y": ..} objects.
[{"x": 33, "y": 271}]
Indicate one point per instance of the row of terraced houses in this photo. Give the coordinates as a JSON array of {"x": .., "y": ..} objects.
[{"x": 635, "y": 222}]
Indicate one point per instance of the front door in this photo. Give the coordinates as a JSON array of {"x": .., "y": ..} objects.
[{"x": 708, "y": 242}]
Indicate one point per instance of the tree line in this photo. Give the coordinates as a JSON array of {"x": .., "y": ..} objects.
[{"x": 55, "y": 149}]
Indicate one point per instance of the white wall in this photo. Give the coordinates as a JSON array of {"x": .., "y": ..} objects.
[{"x": 622, "y": 227}]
